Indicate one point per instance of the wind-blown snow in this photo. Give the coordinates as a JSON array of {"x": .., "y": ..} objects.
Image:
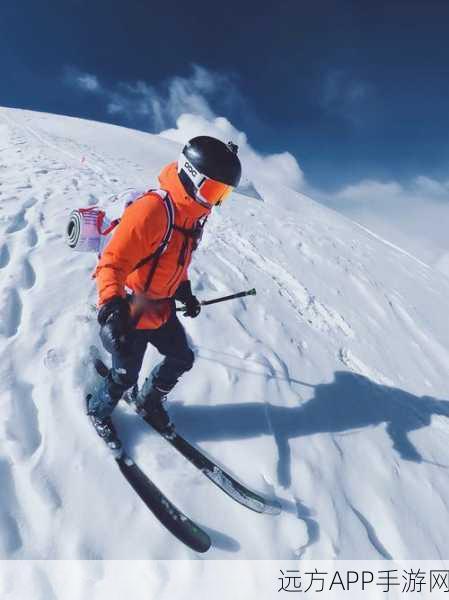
[{"x": 328, "y": 390}]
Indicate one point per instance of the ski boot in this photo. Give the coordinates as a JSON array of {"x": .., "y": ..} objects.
[
  {"x": 99, "y": 407},
  {"x": 106, "y": 430},
  {"x": 151, "y": 406}
]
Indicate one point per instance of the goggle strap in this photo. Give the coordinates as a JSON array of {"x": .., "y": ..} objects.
[{"x": 193, "y": 174}]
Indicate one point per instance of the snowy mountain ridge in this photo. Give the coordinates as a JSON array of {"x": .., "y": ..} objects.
[{"x": 328, "y": 390}]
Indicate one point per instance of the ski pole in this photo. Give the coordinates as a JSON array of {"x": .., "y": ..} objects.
[{"x": 223, "y": 298}]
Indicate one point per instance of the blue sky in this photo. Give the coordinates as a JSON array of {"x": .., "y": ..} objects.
[
  {"x": 356, "y": 91},
  {"x": 353, "y": 90}
]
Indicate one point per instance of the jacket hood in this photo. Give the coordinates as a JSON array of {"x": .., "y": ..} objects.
[{"x": 170, "y": 181}]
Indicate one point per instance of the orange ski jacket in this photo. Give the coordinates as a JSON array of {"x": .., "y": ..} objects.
[{"x": 140, "y": 233}]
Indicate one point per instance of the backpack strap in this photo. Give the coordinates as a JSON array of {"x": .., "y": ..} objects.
[
  {"x": 168, "y": 204},
  {"x": 168, "y": 232},
  {"x": 195, "y": 234},
  {"x": 155, "y": 256}
]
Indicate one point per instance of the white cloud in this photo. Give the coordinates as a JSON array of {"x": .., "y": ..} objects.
[
  {"x": 84, "y": 81},
  {"x": 437, "y": 189},
  {"x": 414, "y": 215},
  {"x": 182, "y": 107},
  {"x": 156, "y": 107},
  {"x": 369, "y": 190},
  {"x": 89, "y": 83},
  {"x": 134, "y": 101},
  {"x": 281, "y": 168}
]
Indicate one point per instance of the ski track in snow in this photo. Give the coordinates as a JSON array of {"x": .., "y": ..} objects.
[
  {"x": 309, "y": 308},
  {"x": 371, "y": 534},
  {"x": 256, "y": 359}
]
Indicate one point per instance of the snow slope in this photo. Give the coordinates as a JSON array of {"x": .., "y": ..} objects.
[{"x": 328, "y": 390}]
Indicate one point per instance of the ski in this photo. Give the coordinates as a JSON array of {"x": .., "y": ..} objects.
[
  {"x": 165, "y": 511},
  {"x": 216, "y": 474}
]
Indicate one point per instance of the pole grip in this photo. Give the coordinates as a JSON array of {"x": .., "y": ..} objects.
[{"x": 251, "y": 292}]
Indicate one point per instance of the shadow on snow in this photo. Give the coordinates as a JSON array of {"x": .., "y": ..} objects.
[{"x": 350, "y": 402}]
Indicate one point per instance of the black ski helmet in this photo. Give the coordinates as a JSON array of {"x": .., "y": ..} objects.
[{"x": 211, "y": 158}]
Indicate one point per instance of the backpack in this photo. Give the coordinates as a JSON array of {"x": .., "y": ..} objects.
[{"x": 89, "y": 230}]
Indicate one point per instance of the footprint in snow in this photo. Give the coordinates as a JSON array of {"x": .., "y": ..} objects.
[
  {"x": 45, "y": 488},
  {"x": 27, "y": 276},
  {"x": 10, "y": 540},
  {"x": 10, "y": 312},
  {"x": 54, "y": 358},
  {"x": 18, "y": 222},
  {"x": 23, "y": 424},
  {"x": 31, "y": 237},
  {"x": 30, "y": 203},
  {"x": 5, "y": 256}
]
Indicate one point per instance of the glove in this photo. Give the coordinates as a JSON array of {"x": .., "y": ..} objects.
[
  {"x": 115, "y": 321},
  {"x": 192, "y": 305}
]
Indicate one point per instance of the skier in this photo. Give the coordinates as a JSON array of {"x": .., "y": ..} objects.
[{"x": 144, "y": 268}]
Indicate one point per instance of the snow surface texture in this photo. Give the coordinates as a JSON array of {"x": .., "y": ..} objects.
[{"x": 328, "y": 390}]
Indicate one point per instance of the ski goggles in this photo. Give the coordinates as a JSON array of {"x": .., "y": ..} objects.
[
  {"x": 214, "y": 192},
  {"x": 208, "y": 191}
]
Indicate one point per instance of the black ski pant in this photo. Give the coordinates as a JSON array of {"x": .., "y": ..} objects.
[{"x": 170, "y": 340}]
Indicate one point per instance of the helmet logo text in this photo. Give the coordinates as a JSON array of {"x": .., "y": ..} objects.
[{"x": 190, "y": 169}]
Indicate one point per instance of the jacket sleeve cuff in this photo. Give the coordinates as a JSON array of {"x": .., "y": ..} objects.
[
  {"x": 115, "y": 304},
  {"x": 184, "y": 291}
]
